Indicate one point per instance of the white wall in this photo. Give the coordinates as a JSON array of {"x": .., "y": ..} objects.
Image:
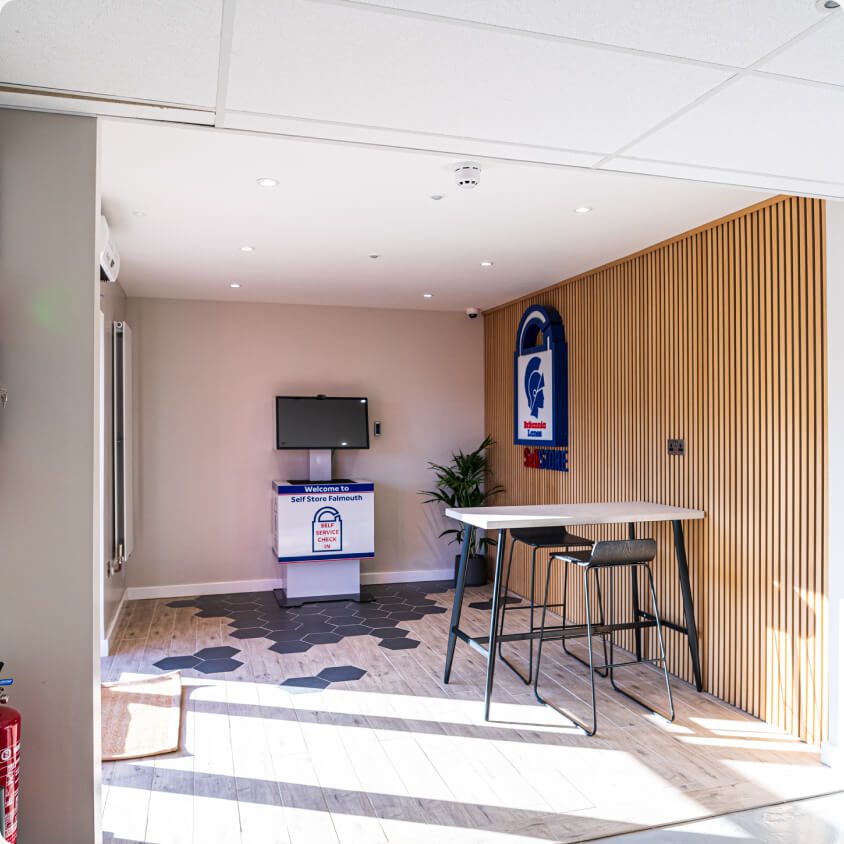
[
  {"x": 206, "y": 377},
  {"x": 833, "y": 749},
  {"x": 49, "y": 617}
]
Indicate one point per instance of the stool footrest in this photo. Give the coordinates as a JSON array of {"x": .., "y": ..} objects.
[{"x": 653, "y": 661}]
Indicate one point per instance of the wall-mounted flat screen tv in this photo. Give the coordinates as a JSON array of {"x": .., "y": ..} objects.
[{"x": 321, "y": 422}]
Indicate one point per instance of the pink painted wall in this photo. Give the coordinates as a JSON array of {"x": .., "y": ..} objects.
[{"x": 207, "y": 374}]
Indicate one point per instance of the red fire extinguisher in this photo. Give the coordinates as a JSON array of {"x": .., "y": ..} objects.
[{"x": 10, "y": 755}]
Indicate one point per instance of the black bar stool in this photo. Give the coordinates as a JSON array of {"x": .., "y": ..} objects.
[
  {"x": 612, "y": 555},
  {"x": 549, "y": 539}
]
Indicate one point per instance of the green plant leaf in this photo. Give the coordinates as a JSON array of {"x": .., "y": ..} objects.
[{"x": 464, "y": 482}]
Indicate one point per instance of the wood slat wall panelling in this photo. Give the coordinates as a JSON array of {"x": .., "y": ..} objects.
[{"x": 717, "y": 337}]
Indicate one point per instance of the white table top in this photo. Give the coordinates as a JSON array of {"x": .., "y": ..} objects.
[{"x": 556, "y": 515}]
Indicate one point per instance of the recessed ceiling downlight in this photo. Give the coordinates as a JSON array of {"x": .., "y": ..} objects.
[
  {"x": 583, "y": 209},
  {"x": 267, "y": 182},
  {"x": 437, "y": 196},
  {"x": 247, "y": 248},
  {"x": 427, "y": 295},
  {"x": 374, "y": 255},
  {"x": 234, "y": 285},
  {"x": 486, "y": 263}
]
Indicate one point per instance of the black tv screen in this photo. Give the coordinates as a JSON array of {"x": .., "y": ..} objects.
[{"x": 321, "y": 422}]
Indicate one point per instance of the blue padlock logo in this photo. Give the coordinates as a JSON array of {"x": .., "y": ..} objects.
[{"x": 327, "y": 527}]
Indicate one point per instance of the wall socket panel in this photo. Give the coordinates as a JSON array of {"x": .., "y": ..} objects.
[{"x": 676, "y": 447}]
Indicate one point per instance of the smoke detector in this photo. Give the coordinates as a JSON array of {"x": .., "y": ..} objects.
[{"x": 467, "y": 174}]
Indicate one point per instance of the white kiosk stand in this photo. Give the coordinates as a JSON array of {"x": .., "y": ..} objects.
[{"x": 322, "y": 528}]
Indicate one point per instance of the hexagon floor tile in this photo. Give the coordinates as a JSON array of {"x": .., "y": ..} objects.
[
  {"x": 177, "y": 663},
  {"x": 290, "y": 647},
  {"x": 341, "y": 673},
  {"x": 216, "y": 653},
  {"x": 306, "y": 682},
  {"x": 390, "y": 632},
  {"x": 399, "y": 644},
  {"x": 218, "y": 666},
  {"x": 322, "y": 638},
  {"x": 249, "y": 633}
]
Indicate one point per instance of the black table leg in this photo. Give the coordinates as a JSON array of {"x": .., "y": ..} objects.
[
  {"x": 688, "y": 603},
  {"x": 457, "y": 607},
  {"x": 493, "y": 622},
  {"x": 634, "y": 591}
]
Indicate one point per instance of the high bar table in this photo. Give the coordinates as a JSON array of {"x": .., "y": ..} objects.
[{"x": 503, "y": 519}]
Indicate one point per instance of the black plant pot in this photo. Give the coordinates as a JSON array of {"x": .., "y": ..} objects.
[{"x": 475, "y": 569}]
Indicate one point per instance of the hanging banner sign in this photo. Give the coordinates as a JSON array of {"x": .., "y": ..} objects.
[{"x": 540, "y": 387}]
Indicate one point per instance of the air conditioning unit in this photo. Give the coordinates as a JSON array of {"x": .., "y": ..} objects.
[{"x": 107, "y": 251}]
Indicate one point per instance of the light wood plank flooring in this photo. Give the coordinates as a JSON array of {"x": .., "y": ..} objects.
[{"x": 398, "y": 756}]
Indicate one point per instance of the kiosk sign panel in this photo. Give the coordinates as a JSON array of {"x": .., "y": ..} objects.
[
  {"x": 323, "y": 521},
  {"x": 540, "y": 384}
]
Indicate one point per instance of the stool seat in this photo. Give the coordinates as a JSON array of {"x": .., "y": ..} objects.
[
  {"x": 580, "y": 558},
  {"x": 549, "y": 537},
  {"x": 619, "y": 552}
]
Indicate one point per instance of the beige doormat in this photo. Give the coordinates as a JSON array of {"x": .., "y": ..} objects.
[{"x": 141, "y": 717}]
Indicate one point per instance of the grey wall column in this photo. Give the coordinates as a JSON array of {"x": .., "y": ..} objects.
[{"x": 49, "y": 528}]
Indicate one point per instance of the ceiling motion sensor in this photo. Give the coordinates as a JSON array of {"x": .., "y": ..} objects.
[{"x": 467, "y": 174}]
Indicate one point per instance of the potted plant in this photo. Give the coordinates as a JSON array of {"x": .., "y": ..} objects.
[{"x": 462, "y": 483}]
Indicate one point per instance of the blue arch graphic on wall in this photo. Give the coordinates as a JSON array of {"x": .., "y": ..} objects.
[{"x": 542, "y": 349}]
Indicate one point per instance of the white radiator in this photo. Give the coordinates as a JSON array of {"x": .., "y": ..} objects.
[{"x": 124, "y": 503}]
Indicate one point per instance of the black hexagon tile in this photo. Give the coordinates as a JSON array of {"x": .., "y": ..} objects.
[
  {"x": 186, "y": 603},
  {"x": 176, "y": 663},
  {"x": 432, "y": 610},
  {"x": 241, "y": 623},
  {"x": 217, "y": 653},
  {"x": 390, "y": 633},
  {"x": 218, "y": 666},
  {"x": 353, "y": 630},
  {"x": 309, "y": 609},
  {"x": 322, "y": 638},
  {"x": 285, "y": 635},
  {"x": 305, "y": 682},
  {"x": 405, "y": 615},
  {"x": 282, "y": 624},
  {"x": 398, "y": 644},
  {"x": 290, "y": 647},
  {"x": 341, "y": 673},
  {"x": 249, "y": 633}
]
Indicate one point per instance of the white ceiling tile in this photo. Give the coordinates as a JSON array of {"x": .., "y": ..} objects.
[
  {"x": 734, "y": 32},
  {"x": 819, "y": 56},
  {"x": 459, "y": 148},
  {"x": 776, "y": 184},
  {"x": 351, "y": 65},
  {"x": 759, "y": 125},
  {"x": 337, "y": 203},
  {"x": 154, "y": 50}
]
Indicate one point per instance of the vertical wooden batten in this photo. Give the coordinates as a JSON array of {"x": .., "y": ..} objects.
[{"x": 717, "y": 337}]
